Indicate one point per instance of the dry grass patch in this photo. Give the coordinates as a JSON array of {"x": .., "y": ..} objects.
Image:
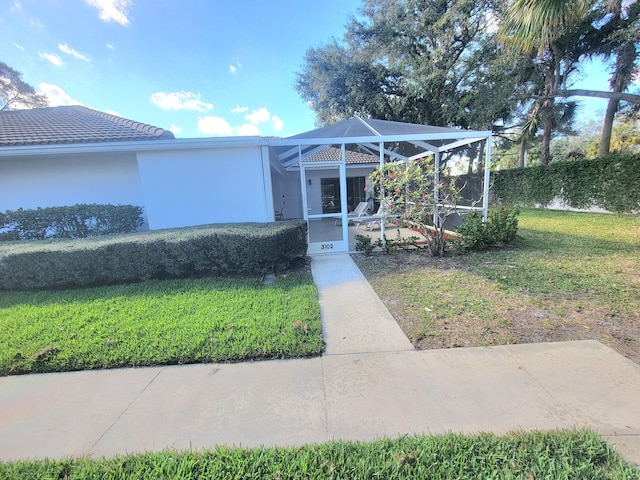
[{"x": 569, "y": 276}]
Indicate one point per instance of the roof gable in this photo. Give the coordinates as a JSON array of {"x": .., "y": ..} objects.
[{"x": 72, "y": 124}]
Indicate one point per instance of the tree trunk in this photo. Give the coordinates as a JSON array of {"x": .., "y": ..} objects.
[
  {"x": 576, "y": 92},
  {"x": 545, "y": 156},
  {"x": 625, "y": 59},
  {"x": 522, "y": 153},
  {"x": 607, "y": 127}
]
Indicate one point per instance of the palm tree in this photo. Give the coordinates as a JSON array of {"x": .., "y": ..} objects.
[
  {"x": 559, "y": 33},
  {"x": 620, "y": 44},
  {"x": 620, "y": 80},
  {"x": 546, "y": 29}
]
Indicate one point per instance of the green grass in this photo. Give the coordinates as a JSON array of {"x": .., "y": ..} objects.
[
  {"x": 567, "y": 276},
  {"x": 159, "y": 322},
  {"x": 570, "y": 253},
  {"x": 555, "y": 455}
]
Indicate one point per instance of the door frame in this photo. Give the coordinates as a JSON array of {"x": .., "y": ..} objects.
[{"x": 332, "y": 246}]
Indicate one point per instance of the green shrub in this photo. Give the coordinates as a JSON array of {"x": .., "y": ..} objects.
[
  {"x": 502, "y": 224},
  {"x": 251, "y": 248},
  {"x": 610, "y": 182},
  {"x": 365, "y": 244},
  {"x": 473, "y": 234},
  {"x": 77, "y": 221},
  {"x": 501, "y": 228}
]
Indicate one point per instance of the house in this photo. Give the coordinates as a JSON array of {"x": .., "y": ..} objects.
[{"x": 60, "y": 156}]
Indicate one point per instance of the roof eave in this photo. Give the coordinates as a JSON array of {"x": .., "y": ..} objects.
[{"x": 133, "y": 146}]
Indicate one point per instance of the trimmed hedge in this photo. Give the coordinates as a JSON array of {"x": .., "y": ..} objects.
[
  {"x": 249, "y": 248},
  {"x": 76, "y": 221},
  {"x": 611, "y": 182}
]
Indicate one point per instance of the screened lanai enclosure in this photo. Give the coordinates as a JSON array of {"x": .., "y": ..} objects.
[{"x": 330, "y": 166}]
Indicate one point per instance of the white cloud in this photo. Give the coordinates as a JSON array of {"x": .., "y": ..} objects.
[
  {"x": 52, "y": 58},
  {"x": 247, "y": 130},
  {"x": 277, "y": 123},
  {"x": 235, "y": 67},
  {"x": 258, "y": 116},
  {"x": 56, "y": 95},
  {"x": 218, "y": 126},
  {"x": 18, "y": 46},
  {"x": 111, "y": 112},
  {"x": 109, "y": 46},
  {"x": 175, "y": 129},
  {"x": 74, "y": 53},
  {"x": 214, "y": 126},
  {"x": 16, "y": 6},
  {"x": 180, "y": 101},
  {"x": 113, "y": 10}
]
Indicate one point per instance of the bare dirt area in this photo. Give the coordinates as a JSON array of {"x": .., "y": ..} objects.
[{"x": 467, "y": 301}]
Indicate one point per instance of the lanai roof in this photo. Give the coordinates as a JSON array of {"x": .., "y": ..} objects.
[
  {"x": 335, "y": 154},
  {"x": 71, "y": 125},
  {"x": 369, "y": 127},
  {"x": 403, "y": 141}
]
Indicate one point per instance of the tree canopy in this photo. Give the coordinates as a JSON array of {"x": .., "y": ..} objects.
[
  {"x": 15, "y": 93},
  {"x": 432, "y": 62},
  {"x": 487, "y": 64}
]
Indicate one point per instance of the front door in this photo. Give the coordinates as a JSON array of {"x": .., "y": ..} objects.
[{"x": 324, "y": 202}]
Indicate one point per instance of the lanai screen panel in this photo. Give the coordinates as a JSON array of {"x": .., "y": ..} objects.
[{"x": 399, "y": 142}]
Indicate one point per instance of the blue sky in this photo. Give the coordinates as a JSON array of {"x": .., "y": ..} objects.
[
  {"x": 200, "y": 67},
  {"x": 197, "y": 67}
]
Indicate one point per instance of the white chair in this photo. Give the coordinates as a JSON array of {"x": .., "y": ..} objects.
[
  {"x": 359, "y": 211},
  {"x": 369, "y": 219}
]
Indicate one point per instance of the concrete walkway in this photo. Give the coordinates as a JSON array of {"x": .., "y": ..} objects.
[{"x": 370, "y": 384}]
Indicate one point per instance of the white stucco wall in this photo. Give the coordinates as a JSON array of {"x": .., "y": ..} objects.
[
  {"x": 286, "y": 189},
  {"x": 196, "y": 187},
  {"x": 53, "y": 181}
]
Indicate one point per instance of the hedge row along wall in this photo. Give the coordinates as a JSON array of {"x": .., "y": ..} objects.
[
  {"x": 76, "y": 221},
  {"x": 250, "y": 248},
  {"x": 612, "y": 183}
]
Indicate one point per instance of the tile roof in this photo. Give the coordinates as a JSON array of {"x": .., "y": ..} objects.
[
  {"x": 334, "y": 154},
  {"x": 71, "y": 124}
]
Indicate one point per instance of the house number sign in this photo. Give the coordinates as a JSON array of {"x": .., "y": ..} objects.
[{"x": 326, "y": 246}]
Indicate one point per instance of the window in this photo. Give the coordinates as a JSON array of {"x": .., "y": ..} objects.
[{"x": 330, "y": 188}]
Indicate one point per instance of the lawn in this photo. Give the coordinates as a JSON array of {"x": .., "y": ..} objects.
[
  {"x": 568, "y": 276},
  {"x": 554, "y": 455},
  {"x": 158, "y": 323}
]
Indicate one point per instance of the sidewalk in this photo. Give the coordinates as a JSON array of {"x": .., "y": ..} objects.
[{"x": 366, "y": 386}]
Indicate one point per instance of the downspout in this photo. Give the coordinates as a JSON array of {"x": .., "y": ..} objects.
[{"x": 487, "y": 178}]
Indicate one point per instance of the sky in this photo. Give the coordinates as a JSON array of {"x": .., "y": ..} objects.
[
  {"x": 196, "y": 67},
  {"x": 199, "y": 68}
]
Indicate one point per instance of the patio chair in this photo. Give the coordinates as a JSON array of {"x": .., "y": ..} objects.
[
  {"x": 360, "y": 210},
  {"x": 371, "y": 220}
]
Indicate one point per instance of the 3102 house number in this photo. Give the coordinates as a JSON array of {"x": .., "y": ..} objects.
[{"x": 326, "y": 246}]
